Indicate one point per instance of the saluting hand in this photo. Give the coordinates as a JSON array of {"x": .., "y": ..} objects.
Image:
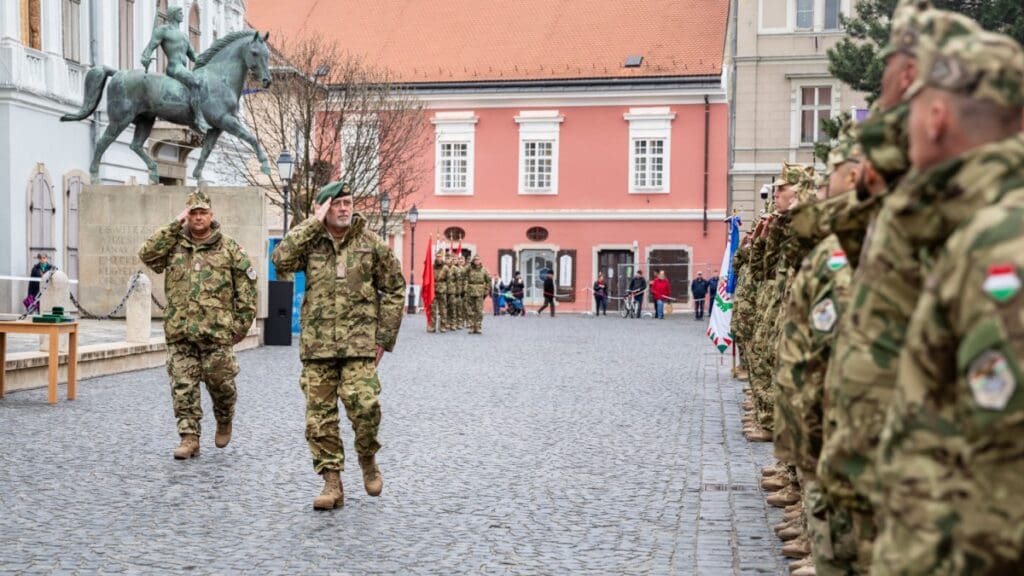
[
  {"x": 183, "y": 217},
  {"x": 320, "y": 210}
]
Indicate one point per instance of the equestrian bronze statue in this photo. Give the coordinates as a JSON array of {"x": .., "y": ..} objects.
[{"x": 204, "y": 98}]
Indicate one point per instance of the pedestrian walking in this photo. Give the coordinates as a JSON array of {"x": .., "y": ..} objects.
[
  {"x": 211, "y": 303},
  {"x": 600, "y": 295},
  {"x": 699, "y": 290},
  {"x": 637, "y": 289},
  {"x": 661, "y": 293},
  {"x": 350, "y": 316},
  {"x": 549, "y": 293}
]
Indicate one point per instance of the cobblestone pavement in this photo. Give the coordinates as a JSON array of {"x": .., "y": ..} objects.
[
  {"x": 572, "y": 445},
  {"x": 89, "y": 332}
]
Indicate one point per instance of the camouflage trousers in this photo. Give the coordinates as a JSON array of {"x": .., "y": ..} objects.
[
  {"x": 189, "y": 364},
  {"x": 353, "y": 381},
  {"x": 475, "y": 306},
  {"x": 437, "y": 310},
  {"x": 451, "y": 314},
  {"x": 842, "y": 537}
]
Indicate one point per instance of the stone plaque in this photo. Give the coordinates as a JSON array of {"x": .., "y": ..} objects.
[{"x": 114, "y": 221}]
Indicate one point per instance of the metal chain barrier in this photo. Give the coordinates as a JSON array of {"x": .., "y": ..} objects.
[
  {"x": 110, "y": 315},
  {"x": 157, "y": 302}
]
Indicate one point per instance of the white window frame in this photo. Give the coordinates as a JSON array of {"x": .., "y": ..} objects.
[
  {"x": 818, "y": 26},
  {"x": 454, "y": 128},
  {"x": 796, "y": 107},
  {"x": 539, "y": 126},
  {"x": 650, "y": 124}
]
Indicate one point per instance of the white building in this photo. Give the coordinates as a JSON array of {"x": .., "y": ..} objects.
[{"x": 46, "y": 46}]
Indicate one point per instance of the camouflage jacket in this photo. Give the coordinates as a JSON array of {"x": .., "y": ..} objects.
[
  {"x": 354, "y": 290},
  {"x": 478, "y": 282},
  {"x": 210, "y": 285},
  {"x": 452, "y": 279},
  {"x": 952, "y": 452},
  {"x": 440, "y": 278},
  {"x": 885, "y": 289},
  {"x": 817, "y": 298}
]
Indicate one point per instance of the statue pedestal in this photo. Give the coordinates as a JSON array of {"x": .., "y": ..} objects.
[{"x": 114, "y": 221}]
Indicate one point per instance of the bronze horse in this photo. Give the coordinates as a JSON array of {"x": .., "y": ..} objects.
[{"x": 134, "y": 96}]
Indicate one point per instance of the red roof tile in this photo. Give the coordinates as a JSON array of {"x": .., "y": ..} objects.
[{"x": 477, "y": 40}]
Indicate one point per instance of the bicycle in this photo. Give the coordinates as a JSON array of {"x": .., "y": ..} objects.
[{"x": 628, "y": 307}]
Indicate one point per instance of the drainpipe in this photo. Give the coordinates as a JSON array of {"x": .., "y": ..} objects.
[
  {"x": 731, "y": 75},
  {"x": 94, "y": 54},
  {"x": 707, "y": 122}
]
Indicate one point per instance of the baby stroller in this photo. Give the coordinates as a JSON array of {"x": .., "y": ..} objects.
[{"x": 513, "y": 306}]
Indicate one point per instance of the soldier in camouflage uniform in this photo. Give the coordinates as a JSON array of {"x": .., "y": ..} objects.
[
  {"x": 439, "y": 306},
  {"x": 350, "y": 316},
  {"x": 211, "y": 302},
  {"x": 452, "y": 276},
  {"x": 951, "y": 460},
  {"x": 885, "y": 288},
  {"x": 478, "y": 282},
  {"x": 463, "y": 305},
  {"x": 816, "y": 300}
]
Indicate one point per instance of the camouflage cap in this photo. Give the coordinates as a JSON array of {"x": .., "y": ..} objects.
[
  {"x": 333, "y": 190},
  {"x": 791, "y": 175},
  {"x": 847, "y": 146},
  {"x": 981, "y": 66},
  {"x": 886, "y": 143},
  {"x": 197, "y": 200},
  {"x": 806, "y": 185},
  {"x": 903, "y": 30}
]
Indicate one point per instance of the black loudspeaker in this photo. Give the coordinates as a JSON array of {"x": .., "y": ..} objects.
[{"x": 279, "y": 314}]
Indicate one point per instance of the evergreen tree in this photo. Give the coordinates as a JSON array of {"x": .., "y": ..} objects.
[{"x": 855, "y": 61}]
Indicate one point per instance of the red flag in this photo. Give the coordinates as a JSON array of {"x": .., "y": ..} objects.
[
  {"x": 427, "y": 289},
  {"x": 458, "y": 251}
]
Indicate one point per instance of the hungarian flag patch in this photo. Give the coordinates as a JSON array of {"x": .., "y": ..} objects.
[
  {"x": 837, "y": 260},
  {"x": 1002, "y": 282}
]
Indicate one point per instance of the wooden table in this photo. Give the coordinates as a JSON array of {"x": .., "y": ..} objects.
[{"x": 53, "y": 331}]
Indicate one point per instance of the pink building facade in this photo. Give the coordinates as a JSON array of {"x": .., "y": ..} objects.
[{"x": 578, "y": 183}]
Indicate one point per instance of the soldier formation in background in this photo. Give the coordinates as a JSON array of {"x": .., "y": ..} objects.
[
  {"x": 459, "y": 293},
  {"x": 211, "y": 303},
  {"x": 880, "y": 323}
]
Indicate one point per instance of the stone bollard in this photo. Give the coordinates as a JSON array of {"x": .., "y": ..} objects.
[
  {"x": 138, "y": 311},
  {"x": 58, "y": 293}
]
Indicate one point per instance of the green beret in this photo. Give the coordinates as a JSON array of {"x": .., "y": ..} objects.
[{"x": 333, "y": 190}]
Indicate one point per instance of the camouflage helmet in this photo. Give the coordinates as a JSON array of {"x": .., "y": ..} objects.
[
  {"x": 980, "y": 66},
  {"x": 885, "y": 141},
  {"x": 333, "y": 190},
  {"x": 791, "y": 175},
  {"x": 934, "y": 30},
  {"x": 197, "y": 200},
  {"x": 847, "y": 146},
  {"x": 807, "y": 184}
]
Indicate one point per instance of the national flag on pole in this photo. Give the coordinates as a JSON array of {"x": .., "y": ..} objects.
[
  {"x": 427, "y": 289},
  {"x": 720, "y": 326}
]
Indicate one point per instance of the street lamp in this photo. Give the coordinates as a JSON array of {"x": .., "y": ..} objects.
[
  {"x": 412, "y": 216},
  {"x": 285, "y": 167},
  {"x": 385, "y": 207}
]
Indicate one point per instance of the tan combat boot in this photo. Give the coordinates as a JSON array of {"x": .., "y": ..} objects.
[
  {"x": 223, "y": 435},
  {"x": 785, "y": 497},
  {"x": 372, "y": 479},
  {"x": 333, "y": 495},
  {"x": 774, "y": 483},
  {"x": 804, "y": 571},
  {"x": 742, "y": 375},
  {"x": 188, "y": 448},
  {"x": 799, "y": 548},
  {"x": 795, "y": 565},
  {"x": 791, "y": 532}
]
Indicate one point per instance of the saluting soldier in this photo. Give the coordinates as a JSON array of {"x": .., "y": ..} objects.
[
  {"x": 478, "y": 285},
  {"x": 211, "y": 302},
  {"x": 350, "y": 316}
]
